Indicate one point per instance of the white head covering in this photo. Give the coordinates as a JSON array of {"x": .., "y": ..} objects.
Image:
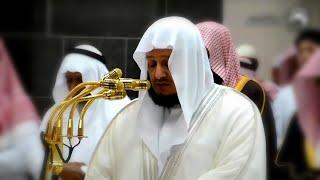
[
  {"x": 100, "y": 112},
  {"x": 188, "y": 62},
  {"x": 90, "y": 69},
  {"x": 247, "y": 53},
  {"x": 247, "y": 50},
  {"x": 189, "y": 67}
]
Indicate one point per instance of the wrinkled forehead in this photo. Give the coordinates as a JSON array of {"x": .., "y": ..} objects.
[{"x": 156, "y": 52}]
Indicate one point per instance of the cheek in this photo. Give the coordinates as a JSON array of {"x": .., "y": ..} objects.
[
  {"x": 307, "y": 54},
  {"x": 73, "y": 84},
  {"x": 170, "y": 77},
  {"x": 150, "y": 73},
  {"x": 69, "y": 83},
  {"x": 70, "y": 87}
]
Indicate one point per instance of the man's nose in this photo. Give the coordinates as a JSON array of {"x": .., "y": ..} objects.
[{"x": 160, "y": 72}]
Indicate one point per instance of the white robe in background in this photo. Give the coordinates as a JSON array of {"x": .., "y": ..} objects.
[
  {"x": 284, "y": 107},
  {"x": 211, "y": 138},
  {"x": 21, "y": 152}
]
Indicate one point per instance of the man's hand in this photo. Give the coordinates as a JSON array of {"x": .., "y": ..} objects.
[{"x": 72, "y": 171}]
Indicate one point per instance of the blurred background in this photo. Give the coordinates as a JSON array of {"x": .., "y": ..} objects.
[{"x": 38, "y": 32}]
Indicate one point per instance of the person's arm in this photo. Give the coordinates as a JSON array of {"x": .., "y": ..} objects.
[
  {"x": 284, "y": 107},
  {"x": 11, "y": 161},
  {"x": 25, "y": 152},
  {"x": 241, "y": 154}
]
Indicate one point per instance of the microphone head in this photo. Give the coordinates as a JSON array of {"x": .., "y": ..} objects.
[{"x": 114, "y": 74}]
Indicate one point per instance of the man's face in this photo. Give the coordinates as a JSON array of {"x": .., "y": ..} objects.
[
  {"x": 73, "y": 79},
  {"x": 160, "y": 76},
  {"x": 305, "y": 50}
]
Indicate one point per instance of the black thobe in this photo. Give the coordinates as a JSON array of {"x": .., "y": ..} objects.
[
  {"x": 256, "y": 93},
  {"x": 292, "y": 155}
]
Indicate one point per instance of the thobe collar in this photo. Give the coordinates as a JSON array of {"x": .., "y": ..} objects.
[
  {"x": 173, "y": 132},
  {"x": 150, "y": 125}
]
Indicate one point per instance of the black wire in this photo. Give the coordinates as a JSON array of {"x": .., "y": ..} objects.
[
  {"x": 70, "y": 148},
  {"x": 66, "y": 145}
]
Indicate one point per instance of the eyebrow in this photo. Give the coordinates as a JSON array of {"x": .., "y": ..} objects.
[{"x": 162, "y": 56}]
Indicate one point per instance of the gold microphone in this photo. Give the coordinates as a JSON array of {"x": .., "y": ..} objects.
[{"x": 111, "y": 87}]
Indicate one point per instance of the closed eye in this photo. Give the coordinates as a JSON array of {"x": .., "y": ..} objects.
[{"x": 152, "y": 63}]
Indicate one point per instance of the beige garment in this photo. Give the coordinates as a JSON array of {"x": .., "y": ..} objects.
[{"x": 225, "y": 141}]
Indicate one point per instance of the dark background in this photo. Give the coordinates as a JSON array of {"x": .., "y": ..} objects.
[{"x": 38, "y": 32}]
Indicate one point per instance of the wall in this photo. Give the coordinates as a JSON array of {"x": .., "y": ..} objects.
[
  {"x": 38, "y": 32},
  {"x": 269, "y": 33},
  {"x": 313, "y": 7}
]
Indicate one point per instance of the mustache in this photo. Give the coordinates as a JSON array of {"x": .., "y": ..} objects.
[
  {"x": 161, "y": 80},
  {"x": 164, "y": 80},
  {"x": 164, "y": 101}
]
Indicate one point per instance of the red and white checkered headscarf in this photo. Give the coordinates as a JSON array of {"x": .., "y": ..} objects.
[
  {"x": 307, "y": 87},
  {"x": 15, "y": 105},
  {"x": 223, "y": 57}
]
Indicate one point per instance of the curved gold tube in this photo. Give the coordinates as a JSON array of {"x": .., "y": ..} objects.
[
  {"x": 70, "y": 120},
  {"x": 56, "y": 109},
  {"x": 71, "y": 117},
  {"x": 57, "y": 114},
  {"x": 89, "y": 100},
  {"x": 80, "y": 87}
]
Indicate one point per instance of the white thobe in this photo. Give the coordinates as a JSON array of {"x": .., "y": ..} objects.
[
  {"x": 21, "y": 154},
  {"x": 173, "y": 132},
  {"x": 225, "y": 141},
  {"x": 284, "y": 108}
]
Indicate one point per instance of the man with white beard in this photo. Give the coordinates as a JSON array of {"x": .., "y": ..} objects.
[{"x": 185, "y": 127}]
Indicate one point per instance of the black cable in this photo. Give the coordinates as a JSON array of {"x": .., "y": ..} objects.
[{"x": 70, "y": 148}]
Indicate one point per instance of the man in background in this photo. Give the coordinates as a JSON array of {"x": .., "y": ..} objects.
[
  {"x": 82, "y": 64},
  {"x": 300, "y": 151},
  {"x": 306, "y": 43},
  {"x": 20, "y": 146}
]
